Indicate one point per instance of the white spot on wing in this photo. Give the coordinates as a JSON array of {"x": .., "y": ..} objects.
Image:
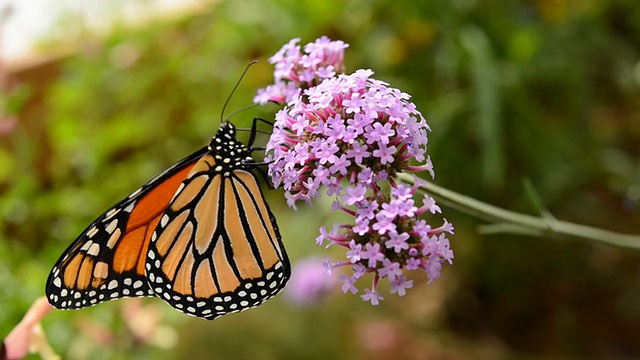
[
  {"x": 115, "y": 236},
  {"x": 133, "y": 194},
  {"x": 86, "y": 245},
  {"x": 92, "y": 231},
  {"x": 112, "y": 226},
  {"x": 94, "y": 249},
  {"x": 112, "y": 284},
  {"x": 111, "y": 213},
  {"x": 130, "y": 207}
]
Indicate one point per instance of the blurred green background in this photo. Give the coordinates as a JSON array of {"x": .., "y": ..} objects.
[{"x": 546, "y": 91}]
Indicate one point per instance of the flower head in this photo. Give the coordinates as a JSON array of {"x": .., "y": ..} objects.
[
  {"x": 349, "y": 127},
  {"x": 296, "y": 69},
  {"x": 349, "y": 136}
]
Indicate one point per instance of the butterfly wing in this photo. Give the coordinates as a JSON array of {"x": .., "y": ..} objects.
[
  {"x": 106, "y": 261},
  {"x": 217, "y": 248}
]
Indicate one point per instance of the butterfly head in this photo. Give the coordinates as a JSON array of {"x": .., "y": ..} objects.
[{"x": 228, "y": 150}]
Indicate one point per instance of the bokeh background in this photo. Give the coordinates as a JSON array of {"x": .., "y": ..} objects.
[{"x": 545, "y": 91}]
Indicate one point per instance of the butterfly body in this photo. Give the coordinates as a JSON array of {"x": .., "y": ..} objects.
[{"x": 199, "y": 236}]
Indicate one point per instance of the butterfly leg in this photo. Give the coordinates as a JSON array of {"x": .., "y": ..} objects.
[{"x": 254, "y": 131}]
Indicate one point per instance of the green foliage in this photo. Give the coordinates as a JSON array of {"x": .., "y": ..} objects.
[{"x": 547, "y": 91}]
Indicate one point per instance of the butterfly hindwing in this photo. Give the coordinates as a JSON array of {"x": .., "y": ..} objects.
[
  {"x": 106, "y": 261},
  {"x": 217, "y": 249}
]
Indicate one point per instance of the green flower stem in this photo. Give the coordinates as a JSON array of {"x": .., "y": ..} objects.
[{"x": 506, "y": 221}]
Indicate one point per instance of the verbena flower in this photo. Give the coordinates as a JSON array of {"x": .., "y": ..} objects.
[
  {"x": 296, "y": 70},
  {"x": 350, "y": 127},
  {"x": 349, "y": 137}
]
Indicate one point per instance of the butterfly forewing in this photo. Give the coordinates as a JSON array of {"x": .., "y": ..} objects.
[
  {"x": 106, "y": 261},
  {"x": 217, "y": 249}
]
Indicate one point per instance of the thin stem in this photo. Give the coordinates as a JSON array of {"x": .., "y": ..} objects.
[{"x": 512, "y": 222}]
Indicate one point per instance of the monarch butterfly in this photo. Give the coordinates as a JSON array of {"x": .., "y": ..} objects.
[{"x": 199, "y": 235}]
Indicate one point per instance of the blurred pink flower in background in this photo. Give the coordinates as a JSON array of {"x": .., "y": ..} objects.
[{"x": 309, "y": 283}]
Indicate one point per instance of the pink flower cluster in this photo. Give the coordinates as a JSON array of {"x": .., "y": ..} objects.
[
  {"x": 296, "y": 71},
  {"x": 349, "y": 136}
]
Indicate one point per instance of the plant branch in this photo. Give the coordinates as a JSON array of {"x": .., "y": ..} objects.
[{"x": 513, "y": 222}]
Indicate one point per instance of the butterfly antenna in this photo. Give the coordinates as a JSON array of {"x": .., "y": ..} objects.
[
  {"x": 224, "y": 107},
  {"x": 241, "y": 110}
]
